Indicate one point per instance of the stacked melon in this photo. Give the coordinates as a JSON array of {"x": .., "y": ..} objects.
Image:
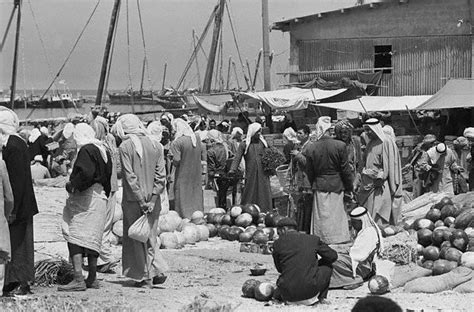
[
  {"x": 446, "y": 236},
  {"x": 175, "y": 232},
  {"x": 244, "y": 223},
  {"x": 117, "y": 227}
]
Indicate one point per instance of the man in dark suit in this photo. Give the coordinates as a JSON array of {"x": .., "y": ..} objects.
[{"x": 304, "y": 279}]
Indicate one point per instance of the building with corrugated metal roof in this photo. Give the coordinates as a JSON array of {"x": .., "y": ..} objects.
[{"x": 418, "y": 44}]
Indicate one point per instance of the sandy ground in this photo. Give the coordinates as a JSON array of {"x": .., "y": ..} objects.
[{"x": 212, "y": 271}]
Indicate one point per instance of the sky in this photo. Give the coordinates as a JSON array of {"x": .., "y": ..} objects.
[{"x": 50, "y": 28}]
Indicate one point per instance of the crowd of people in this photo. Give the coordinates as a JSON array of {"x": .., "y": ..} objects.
[{"x": 343, "y": 184}]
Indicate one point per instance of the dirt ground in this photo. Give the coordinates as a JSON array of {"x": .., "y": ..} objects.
[{"x": 213, "y": 271}]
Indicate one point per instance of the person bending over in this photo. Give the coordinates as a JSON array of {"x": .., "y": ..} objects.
[{"x": 304, "y": 279}]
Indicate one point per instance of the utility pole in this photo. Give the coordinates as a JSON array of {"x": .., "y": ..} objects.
[
  {"x": 105, "y": 60},
  {"x": 15, "y": 54},
  {"x": 266, "y": 59},
  {"x": 206, "y": 88}
]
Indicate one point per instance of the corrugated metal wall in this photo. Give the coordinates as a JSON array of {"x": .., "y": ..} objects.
[{"x": 421, "y": 65}]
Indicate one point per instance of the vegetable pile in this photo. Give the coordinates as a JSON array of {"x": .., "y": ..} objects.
[{"x": 446, "y": 236}]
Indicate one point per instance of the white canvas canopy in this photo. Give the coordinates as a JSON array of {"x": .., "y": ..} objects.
[
  {"x": 456, "y": 93},
  {"x": 379, "y": 103},
  {"x": 292, "y": 98}
]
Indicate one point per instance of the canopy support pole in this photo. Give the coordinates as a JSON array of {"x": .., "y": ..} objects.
[{"x": 413, "y": 121}]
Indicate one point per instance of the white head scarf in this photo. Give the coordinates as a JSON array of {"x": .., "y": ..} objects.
[
  {"x": 435, "y": 152},
  {"x": 322, "y": 126},
  {"x": 215, "y": 135},
  {"x": 388, "y": 130},
  {"x": 68, "y": 130},
  {"x": 129, "y": 126},
  {"x": 183, "y": 129},
  {"x": 101, "y": 127},
  {"x": 34, "y": 135},
  {"x": 376, "y": 127},
  {"x": 9, "y": 122},
  {"x": 252, "y": 130},
  {"x": 469, "y": 133},
  {"x": 44, "y": 131},
  {"x": 290, "y": 135},
  {"x": 156, "y": 130},
  {"x": 367, "y": 238},
  {"x": 235, "y": 131},
  {"x": 84, "y": 134}
]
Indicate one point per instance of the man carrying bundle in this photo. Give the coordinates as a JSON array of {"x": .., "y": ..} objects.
[{"x": 304, "y": 280}]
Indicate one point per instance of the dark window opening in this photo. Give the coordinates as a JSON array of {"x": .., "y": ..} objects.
[{"x": 383, "y": 57}]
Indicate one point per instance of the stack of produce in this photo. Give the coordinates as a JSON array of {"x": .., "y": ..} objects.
[
  {"x": 175, "y": 232},
  {"x": 255, "y": 289},
  {"x": 446, "y": 236},
  {"x": 117, "y": 228},
  {"x": 244, "y": 223}
]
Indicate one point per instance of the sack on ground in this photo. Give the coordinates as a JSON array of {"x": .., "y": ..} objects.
[
  {"x": 467, "y": 287},
  {"x": 385, "y": 268},
  {"x": 140, "y": 229},
  {"x": 439, "y": 283},
  {"x": 405, "y": 273}
]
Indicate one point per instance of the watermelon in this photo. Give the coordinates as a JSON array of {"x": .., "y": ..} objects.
[
  {"x": 431, "y": 253},
  {"x": 433, "y": 214},
  {"x": 437, "y": 237},
  {"x": 453, "y": 254},
  {"x": 236, "y": 211},
  {"x": 244, "y": 220},
  {"x": 259, "y": 237},
  {"x": 378, "y": 285},
  {"x": 264, "y": 291},
  {"x": 444, "y": 201},
  {"x": 191, "y": 233},
  {"x": 234, "y": 233},
  {"x": 465, "y": 219},
  {"x": 217, "y": 210},
  {"x": 459, "y": 239},
  {"x": 441, "y": 266},
  {"x": 248, "y": 288},
  {"x": 227, "y": 220},
  {"x": 423, "y": 224},
  {"x": 424, "y": 237},
  {"x": 212, "y": 229},
  {"x": 428, "y": 264},
  {"x": 169, "y": 240},
  {"x": 253, "y": 210},
  {"x": 448, "y": 210},
  {"x": 245, "y": 237},
  {"x": 203, "y": 232}
]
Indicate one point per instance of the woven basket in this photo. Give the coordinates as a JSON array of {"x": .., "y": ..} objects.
[{"x": 283, "y": 174}]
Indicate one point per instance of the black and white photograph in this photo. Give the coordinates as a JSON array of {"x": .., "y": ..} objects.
[{"x": 237, "y": 155}]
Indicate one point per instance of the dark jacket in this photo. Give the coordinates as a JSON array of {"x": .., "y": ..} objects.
[
  {"x": 216, "y": 160},
  {"x": 16, "y": 157},
  {"x": 295, "y": 256},
  {"x": 328, "y": 167},
  {"x": 90, "y": 168}
]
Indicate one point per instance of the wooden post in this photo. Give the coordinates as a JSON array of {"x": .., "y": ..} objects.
[
  {"x": 15, "y": 53},
  {"x": 206, "y": 88},
  {"x": 105, "y": 60},
  {"x": 228, "y": 73},
  {"x": 266, "y": 47},
  {"x": 164, "y": 77},
  {"x": 256, "y": 69}
]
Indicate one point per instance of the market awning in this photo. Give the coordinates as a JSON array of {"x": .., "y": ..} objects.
[
  {"x": 213, "y": 103},
  {"x": 456, "y": 93},
  {"x": 292, "y": 98},
  {"x": 379, "y": 103}
]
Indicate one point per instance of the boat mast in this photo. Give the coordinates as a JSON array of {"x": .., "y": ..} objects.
[
  {"x": 206, "y": 88},
  {"x": 105, "y": 60},
  {"x": 17, "y": 5}
]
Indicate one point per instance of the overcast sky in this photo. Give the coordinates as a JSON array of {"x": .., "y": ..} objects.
[{"x": 168, "y": 26}]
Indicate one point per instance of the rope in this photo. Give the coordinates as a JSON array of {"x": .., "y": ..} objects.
[
  {"x": 237, "y": 45},
  {"x": 70, "y": 52},
  {"x": 68, "y": 56},
  {"x": 145, "y": 58},
  {"x": 43, "y": 46}
]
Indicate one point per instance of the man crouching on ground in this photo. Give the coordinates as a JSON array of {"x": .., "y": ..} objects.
[{"x": 303, "y": 278}]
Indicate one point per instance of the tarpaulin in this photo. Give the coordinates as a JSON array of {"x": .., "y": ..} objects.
[
  {"x": 456, "y": 93},
  {"x": 379, "y": 103},
  {"x": 292, "y": 98},
  {"x": 213, "y": 103}
]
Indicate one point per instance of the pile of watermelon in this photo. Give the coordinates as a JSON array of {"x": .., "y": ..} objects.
[
  {"x": 445, "y": 236},
  {"x": 244, "y": 223}
]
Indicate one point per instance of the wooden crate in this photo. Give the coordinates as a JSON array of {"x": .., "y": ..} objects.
[{"x": 265, "y": 249}]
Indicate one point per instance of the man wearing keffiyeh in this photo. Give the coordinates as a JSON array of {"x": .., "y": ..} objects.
[
  {"x": 381, "y": 178},
  {"x": 143, "y": 179}
]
